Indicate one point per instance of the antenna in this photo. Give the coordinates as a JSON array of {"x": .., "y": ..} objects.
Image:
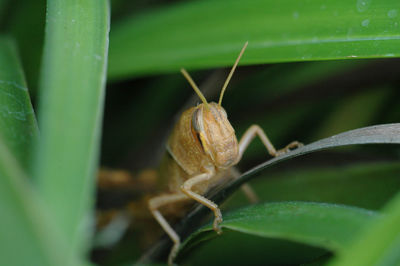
[
  {"x": 231, "y": 73},
  {"x": 194, "y": 86}
]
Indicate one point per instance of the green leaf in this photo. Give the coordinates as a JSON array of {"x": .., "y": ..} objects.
[
  {"x": 322, "y": 225},
  {"x": 70, "y": 111},
  {"x": 379, "y": 243},
  {"x": 28, "y": 234},
  {"x": 203, "y": 34},
  {"x": 17, "y": 119}
]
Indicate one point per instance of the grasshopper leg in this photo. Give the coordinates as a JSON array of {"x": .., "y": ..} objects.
[
  {"x": 187, "y": 189},
  {"x": 157, "y": 202},
  {"x": 254, "y": 131},
  {"x": 250, "y": 194},
  {"x": 244, "y": 142}
]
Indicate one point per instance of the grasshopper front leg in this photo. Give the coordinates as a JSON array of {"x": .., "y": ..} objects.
[
  {"x": 187, "y": 189},
  {"x": 255, "y": 130}
]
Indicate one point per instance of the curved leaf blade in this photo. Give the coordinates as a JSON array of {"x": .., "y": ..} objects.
[
  {"x": 29, "y": 235},
  {"x": 18, "y": 124},
  {"x": 203, "y": 34},
  {"x": 329, "y": 226},
  {"x": 72, "y": 94},
  {"x": 320, "y": 224}
]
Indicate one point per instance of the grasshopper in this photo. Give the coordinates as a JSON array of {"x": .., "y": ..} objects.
[{"x": 201, "y": 152}]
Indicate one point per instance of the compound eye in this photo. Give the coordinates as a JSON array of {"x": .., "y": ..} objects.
[
  {"x": 224, "y": 113},
  {"x": 195, "y": 121}
]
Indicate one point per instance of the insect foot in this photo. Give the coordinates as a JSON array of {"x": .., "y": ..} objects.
[
  {"x": 217, "y": 221},
  {"x": 173, "y": 253},
  {"x": 289, "y": 147}
]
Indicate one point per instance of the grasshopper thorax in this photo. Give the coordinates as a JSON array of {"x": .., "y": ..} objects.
[{"x": 215, "y": 134}]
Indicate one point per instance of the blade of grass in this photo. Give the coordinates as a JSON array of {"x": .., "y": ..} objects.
[
  {"x": 28, "y": 234},
  {"x": 329, "y": 226},
  {"x": 70, "y": 112},
  {"x": 203, "y": 34},
  {"x": 17, "y": 119}
]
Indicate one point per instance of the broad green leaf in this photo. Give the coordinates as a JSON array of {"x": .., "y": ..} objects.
[
  {"x": 70, "y": 112},
  {"x": 321, "y": 225},
  {"x": 17, "y": 119},
  {"x": 203, "y": 34},
  {"x": 379, "y": 243},
  {"x": 29, "y": 236}
]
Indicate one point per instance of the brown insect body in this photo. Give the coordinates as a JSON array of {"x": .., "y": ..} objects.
[{"x": 203, "y": 141}]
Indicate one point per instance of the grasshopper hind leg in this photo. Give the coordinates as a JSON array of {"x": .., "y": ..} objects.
[{"x": 154, "y": 205}]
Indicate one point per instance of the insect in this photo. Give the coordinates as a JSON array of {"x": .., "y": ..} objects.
[{"x": 201, "y": 152}]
